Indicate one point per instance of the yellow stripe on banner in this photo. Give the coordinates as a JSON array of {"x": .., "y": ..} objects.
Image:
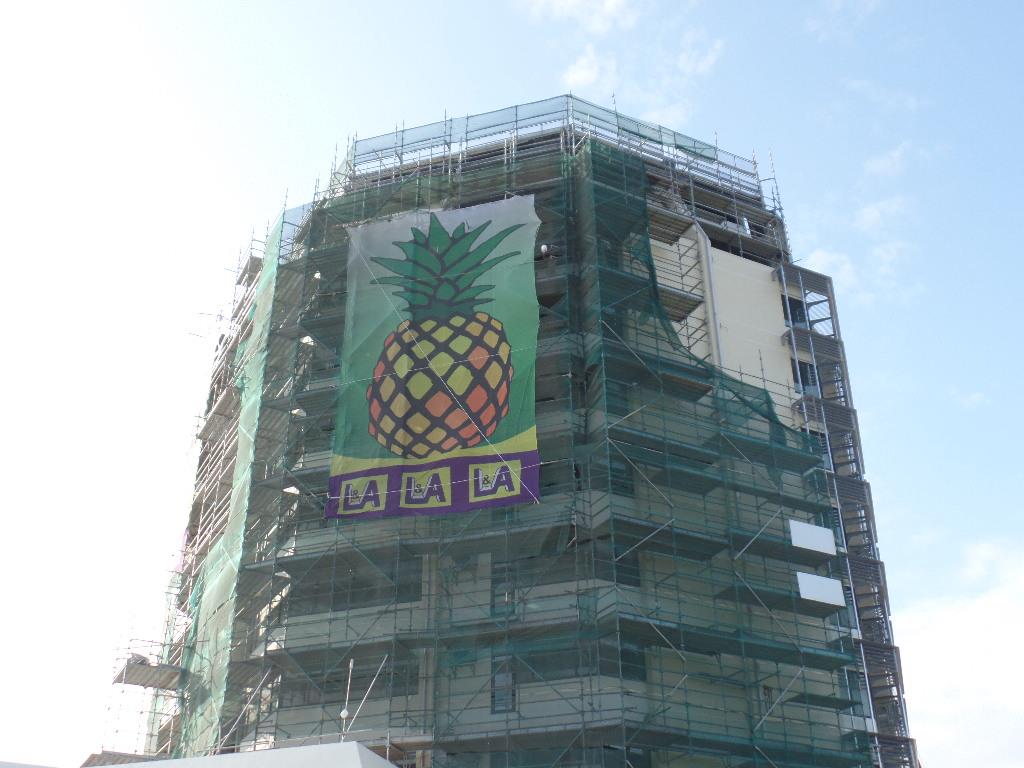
[{"x": 524, "y": 441}]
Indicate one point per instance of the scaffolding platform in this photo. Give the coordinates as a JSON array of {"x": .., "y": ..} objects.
[
  {"x": 148, "y": 674},
  {"x": 776, "y": 547},
  {"x": 762, "y": 450},
  {"x": 778, "y": 599}
]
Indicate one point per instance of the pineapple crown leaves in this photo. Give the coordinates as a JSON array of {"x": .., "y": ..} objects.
[{"x": 438, "y": 274}]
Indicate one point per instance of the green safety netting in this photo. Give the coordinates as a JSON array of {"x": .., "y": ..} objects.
[{"x": 645, "y": 611}]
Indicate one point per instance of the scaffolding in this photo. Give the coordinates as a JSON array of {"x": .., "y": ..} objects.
[
  {"x": 697, "y": 584},
  {"x": 825, "y": 408}
]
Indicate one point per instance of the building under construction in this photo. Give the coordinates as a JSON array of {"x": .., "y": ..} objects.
[{"x": 694, "y": 578}]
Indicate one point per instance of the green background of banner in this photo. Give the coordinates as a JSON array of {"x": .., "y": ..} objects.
[{"x": 372, "y": 312}]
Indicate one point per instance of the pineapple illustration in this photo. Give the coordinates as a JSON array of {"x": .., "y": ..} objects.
[{"x": 444, "y": 375}]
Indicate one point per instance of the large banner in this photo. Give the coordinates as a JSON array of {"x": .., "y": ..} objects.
[{"x": 436, "y": 407}]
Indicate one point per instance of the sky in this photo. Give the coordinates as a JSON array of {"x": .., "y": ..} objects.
[{"x": 145, "y": 144}]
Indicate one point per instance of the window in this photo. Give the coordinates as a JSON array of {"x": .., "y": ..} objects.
[
  {"x": 511, "y": 581},
  {"x": 820, "y": 444},
  {"x": 556, "y": 477},
  {"x": 565, "y": 657},
  {"x": 503, "y": 684},
  {"x": 854, "y": 690},
  {"x": 620, "y": 563},
  {"x": 621, "y": 473},
  {"x": 399, "y": 677},
  {"x": 568, "y": 659},
  {"x": 805, "y": 377},
  {"x": 503, "y": 590},
  {"x": 634, "y": 661},
  {"x": 617, "y": 396},
  {"x": 848, "y": 617},
  {"x": 795, "y": 311},
  {"x": 337, "y": 585}
]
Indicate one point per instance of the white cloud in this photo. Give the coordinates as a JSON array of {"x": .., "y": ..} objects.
[
  {"x": 982, "y": 558},
  {"x": 837, "y": 18},
  {"x": 869, "y": 276},
  {"x": 969, "y": 401},
  {"x": 874, "y": 217},
  {"x": 595, "y": 16},
  {"x": 962, "y": 677},
  {"x": 592, "y": 71},
  {"x": 672, "y": 115},
  {"x": 699, "y": 54},
  {"x": 836, "y": 265},
  {"x": 890, "y": 163},
  {"x": 669, "y": 72},
  {"x": 879, "y": 269},
  {"x": 666, "y": 88},
  {"x": 885, "y": 257},
  {"x": 887, "y": 98}
]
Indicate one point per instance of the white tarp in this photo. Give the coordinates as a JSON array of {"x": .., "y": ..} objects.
[{"x": 338, "y": 755}]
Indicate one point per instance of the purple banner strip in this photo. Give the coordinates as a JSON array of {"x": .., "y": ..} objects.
[{"x": 442, "y": 487}]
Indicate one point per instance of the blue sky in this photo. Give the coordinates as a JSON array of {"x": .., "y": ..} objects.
[{"x": 145, "y": 143}]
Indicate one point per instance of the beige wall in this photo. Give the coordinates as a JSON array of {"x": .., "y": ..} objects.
[{"x": 748, "y": 317}]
